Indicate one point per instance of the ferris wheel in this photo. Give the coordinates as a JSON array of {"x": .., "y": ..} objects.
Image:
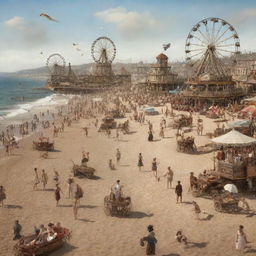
[
  {"x": 213, "y": 34},
  {"x": 55, "y": 61},
  {"x": 103, "y": 50}
]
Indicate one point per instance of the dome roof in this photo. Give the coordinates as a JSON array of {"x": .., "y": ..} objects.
[{"x": 162, "y": 57}]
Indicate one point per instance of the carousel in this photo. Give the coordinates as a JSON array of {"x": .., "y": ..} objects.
[{"x": 211, "y": 43}]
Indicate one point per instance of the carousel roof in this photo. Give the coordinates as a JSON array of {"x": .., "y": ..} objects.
[{"x": 234, "y": 138}]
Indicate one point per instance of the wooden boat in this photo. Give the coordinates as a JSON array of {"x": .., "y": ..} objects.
[{"x": 23, "y": 249}]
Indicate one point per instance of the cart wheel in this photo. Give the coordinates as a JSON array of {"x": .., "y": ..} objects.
[{"x": 217, "y": 206}]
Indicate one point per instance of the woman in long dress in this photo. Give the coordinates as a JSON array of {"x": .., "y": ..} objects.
[
  {"x": 140, "y": 161},
  {"x": 241, "y": 239}
]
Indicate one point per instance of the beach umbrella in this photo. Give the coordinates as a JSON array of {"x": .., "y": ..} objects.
[
  {"x": 231, "y": 188},
  {"x": 234, "y": 138}
]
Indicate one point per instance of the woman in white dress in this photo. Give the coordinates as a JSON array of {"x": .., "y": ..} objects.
[{"x": 241, "y": 239}]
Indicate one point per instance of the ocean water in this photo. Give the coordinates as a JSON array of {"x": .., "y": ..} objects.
[
  {"x": 20, "y": 98},
  {"x": 17, "y": 93}
]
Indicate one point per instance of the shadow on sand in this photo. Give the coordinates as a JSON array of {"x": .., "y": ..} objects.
[
  {"x": 10, "y": 206},
  {"x": 86, "y": 220},
  {"x": 139, "y": 215},
  {"x": 208, "y": 217},
  {"x": 65, "y": 249},
  {"x": 196, "y": 245},
  {"x": 171, "y": 254}
]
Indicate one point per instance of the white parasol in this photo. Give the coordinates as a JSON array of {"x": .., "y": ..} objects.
[
  {"x": 234, "y": 138},
  {"x": 231, "y": 188}
]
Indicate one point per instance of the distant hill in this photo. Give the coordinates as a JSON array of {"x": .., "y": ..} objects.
[{"x": 178, "y": 67}]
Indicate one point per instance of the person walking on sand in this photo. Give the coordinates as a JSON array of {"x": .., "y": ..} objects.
[
  {"x": 197, "y": 210},
  {"x": 44, "y": 178},
  {"x": 154, "y": 168},
  {"x": 16, "y": 230},
  {"x": 140, "y": 161},
  {"x": 57, "y": 194},
  {"x": 151, "y": 241},
  {"x": 56, "y": 177},
  {"x": 118, "y": 156},
  {"x": 169, "y": 176},
  {"x": 241, "y": 239},
  {"x": 69, "y": 183},
  {"x": 178, "y": 191},
  {"x": 36, "y": 180},
  {"x": 2, "y": 195}
]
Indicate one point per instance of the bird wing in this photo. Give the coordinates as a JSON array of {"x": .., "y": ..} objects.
[{"x": 48, "y": 17}]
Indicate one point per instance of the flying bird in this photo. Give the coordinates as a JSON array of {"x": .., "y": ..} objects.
[
  {"x": 78, "y": 49},
  {"x": 41, "y": 53},
  {"x": 82, "y": 54},
  {"x": 74, "y": 44},
  {"x": 48, "y": 17},
  {"x": 166, "y": 46}
]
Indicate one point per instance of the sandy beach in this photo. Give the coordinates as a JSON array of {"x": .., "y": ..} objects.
[{"x": 94, "y": 233}]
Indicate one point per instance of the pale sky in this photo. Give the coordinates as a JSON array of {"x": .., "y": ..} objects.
[{"x": 138, "y": 28}]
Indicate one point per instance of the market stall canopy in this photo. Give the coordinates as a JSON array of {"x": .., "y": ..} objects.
[
  {"x": 234, "y": 138},
  {"x": 239, "y": 123},
  {"x": 249, "y": 110}
]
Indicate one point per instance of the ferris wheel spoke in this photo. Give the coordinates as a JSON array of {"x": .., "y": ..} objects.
[
  {"x": 225, "y": 40},
  {"x": 218, "y": 53},
  {"x": 202, "y": 34},
  {"x": 221, "y": 35},
  {"x": 200, "y": 40},
  {"x": 196, "y": 50},
  {"x": 226, "y": 51},
  {"x": 201, "y": 45},
  {"x": 200, "y": 53},
  {"x": 213, "y": 31},
  {"x": 208, "y": 33},
  {"x": 218, "y": 31},
  {"x": 225, "y": 45}
]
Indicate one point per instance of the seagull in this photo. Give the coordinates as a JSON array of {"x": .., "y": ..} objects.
[
  {"x": 78, "y": 49},
  {"x": 41, "y": 53},
  {"x": 82, "y": 54},
  {"x": 166, "y": 46},
  {"x": 74, "y": 44},
  {"x": 48, "y": 17}
]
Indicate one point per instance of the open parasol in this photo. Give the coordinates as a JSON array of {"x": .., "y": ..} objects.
[{"x": 231, "y": 188}]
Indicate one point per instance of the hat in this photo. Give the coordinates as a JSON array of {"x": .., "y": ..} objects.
[{"x": 150, "y": 228}]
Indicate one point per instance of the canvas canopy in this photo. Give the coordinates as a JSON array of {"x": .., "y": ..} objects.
[
  {"x": 239, "y": 123},
  {"x": 234, "y": 138}
]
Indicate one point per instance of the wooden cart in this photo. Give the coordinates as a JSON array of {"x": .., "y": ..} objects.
[
  {"x": 226, "y": 202},
  {"x": 208, "y": 186},
  {"x": 107, "y": 123},
  {"x": 43, "y": 145},
  {"x": 83, "y": 171},
  {"x": 120, "y": 207},
  {"x": 186, "y": 145}
]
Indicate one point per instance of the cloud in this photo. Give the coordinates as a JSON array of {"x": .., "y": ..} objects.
[
  {"x": 244, "y": 16},
  {"x": 15, "y": 22},
  {"x": 130, "y": 23},
  {"x": 31, "y": 34}
]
